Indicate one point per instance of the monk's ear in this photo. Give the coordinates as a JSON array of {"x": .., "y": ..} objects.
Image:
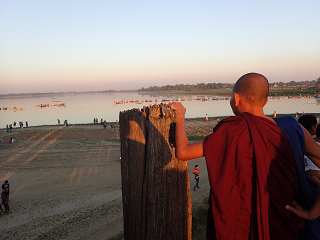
[
  {"x": 266, "y": 101},
  {"x": 237, "y": 99}
]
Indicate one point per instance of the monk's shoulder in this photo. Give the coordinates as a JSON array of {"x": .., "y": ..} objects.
[
  {"x": 233, "y": 123},
  {"x": 233, "y": 126},
  {"x": 228, "y": 134}
]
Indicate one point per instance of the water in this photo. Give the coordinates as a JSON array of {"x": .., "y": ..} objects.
[{"x": 82, "y": 108}]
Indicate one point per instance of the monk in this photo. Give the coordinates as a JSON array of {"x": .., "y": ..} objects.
[{"x": 251, "y": 162}]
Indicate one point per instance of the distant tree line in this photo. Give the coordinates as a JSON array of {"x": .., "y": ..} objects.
[
  {"x": 216, "y": 86},
  {"x": 187, "y": 87},
  {"x": 306, "y": 84}
]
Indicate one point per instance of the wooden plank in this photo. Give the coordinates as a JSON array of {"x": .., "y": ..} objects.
[{"x": 133, "y": 148}]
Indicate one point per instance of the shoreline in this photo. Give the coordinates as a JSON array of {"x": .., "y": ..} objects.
[{"x": 211, "y": 120}]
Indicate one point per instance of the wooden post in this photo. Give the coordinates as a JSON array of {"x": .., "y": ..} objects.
[{"x": 155, "y": 184}]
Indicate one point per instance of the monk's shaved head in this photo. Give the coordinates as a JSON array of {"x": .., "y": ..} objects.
[{"x": 254, "y": 87}]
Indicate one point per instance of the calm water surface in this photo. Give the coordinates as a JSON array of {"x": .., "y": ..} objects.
[{"x": 82, "y": 108}]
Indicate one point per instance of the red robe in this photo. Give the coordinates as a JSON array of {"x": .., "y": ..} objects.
[{"x": 252, "y": 175}]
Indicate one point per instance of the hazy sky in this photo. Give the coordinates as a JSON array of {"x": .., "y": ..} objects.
[{"x": 49, "y": 46}]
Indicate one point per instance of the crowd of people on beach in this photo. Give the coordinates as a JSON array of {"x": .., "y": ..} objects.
[
  {"x": 5, "y": 198},
  {"x": 104, "y": 123},
  {"x": 9, "y": 126},
  {"x": 65, "y": 122}
]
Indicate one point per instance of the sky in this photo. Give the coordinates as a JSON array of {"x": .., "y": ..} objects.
[{"x": 56, "y": 46}]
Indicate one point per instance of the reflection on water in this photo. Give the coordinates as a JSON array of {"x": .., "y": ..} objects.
[{"x": 82, "y": 108}]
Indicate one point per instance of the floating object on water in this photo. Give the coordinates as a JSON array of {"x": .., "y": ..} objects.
[
  {"x": 18, "y": 109},
  {"x": 14, "y": 108},
  {"x": 42, "y": 105},
  {"x": 58, "y": 104}
]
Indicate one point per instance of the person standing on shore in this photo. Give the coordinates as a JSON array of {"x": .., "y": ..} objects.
[
  {"x": 5, "y": 201},
  {"x": 254, "y": 164},
  {"x": 196, "y": 174},
  {"x": 6, "y": 186}
]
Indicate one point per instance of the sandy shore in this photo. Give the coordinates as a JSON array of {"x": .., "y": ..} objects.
[{"x": 66, "y": 182}]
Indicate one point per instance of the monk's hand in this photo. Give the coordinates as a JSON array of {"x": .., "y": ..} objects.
[
  {"x": 299, "y": 211},
  {"x": 181, "y": 110}
]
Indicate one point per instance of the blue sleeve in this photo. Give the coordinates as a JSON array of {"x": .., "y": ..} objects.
[{"x": 295, "y": 135}]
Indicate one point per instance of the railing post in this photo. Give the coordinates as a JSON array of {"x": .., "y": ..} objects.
[{"x": 155, "y": 184}]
